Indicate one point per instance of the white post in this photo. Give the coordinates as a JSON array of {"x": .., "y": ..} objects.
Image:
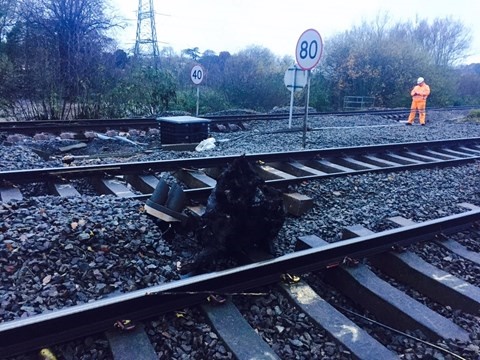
[
  {"x": 307, "y": 98},
  {"x": 291, "y": 111},
  {"x": 291, "y": 96},
  {"x": 198, "y": 99}
]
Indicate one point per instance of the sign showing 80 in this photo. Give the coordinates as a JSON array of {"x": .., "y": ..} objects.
[{"x": 309, "y": 49}]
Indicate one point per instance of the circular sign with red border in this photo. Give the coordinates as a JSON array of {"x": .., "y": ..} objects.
[{"x": 309, "y": 49}]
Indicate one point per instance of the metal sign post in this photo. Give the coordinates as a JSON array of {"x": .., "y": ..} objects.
[
  {"x": 307, "y": 99},
  {"x": 197, "y": 75},
  {"x": 198, "y": 100},
  {"x": 295, "y": 79},
  {"x": 308, "y": 53},
  {"x": 290, "y": 114}
]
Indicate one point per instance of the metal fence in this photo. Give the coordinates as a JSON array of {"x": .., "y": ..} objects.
[{"x": 358, "y": 102}]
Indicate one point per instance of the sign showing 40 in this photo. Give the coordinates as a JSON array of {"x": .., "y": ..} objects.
[
  {"x": 197, "y": 74},
  {"x": 309, "y": 49}
]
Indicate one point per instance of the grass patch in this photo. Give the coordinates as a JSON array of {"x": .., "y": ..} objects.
[{"x": 474, "y": 115}]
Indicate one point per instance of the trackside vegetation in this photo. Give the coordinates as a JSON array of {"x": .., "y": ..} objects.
[{"x": 58, "y": 61}]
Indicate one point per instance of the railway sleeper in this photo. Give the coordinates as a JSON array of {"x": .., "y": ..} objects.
[
  {"x": 403, "y": 160},
  {"x": 237, "y": 334},
  {"x": 297, "y": 168},
  {"x": 356, "y": 164},
  {"x": 131, "y": 344},
  {"x": 64, "y": 189},
  {"x": 112, "y": 186},
  {"x": 437, "y": 284},
  {"x": 472, "y": 152},
  {"x": 337, "y": 325},
  {"x": 268, "y": 172},
  {"x": 163, "y": 206},
  {"x": 461, "y": 154},
  {"x": 442, "y": 240},
  {"x": 460, "y": 250},
  {"x": 422, "y": 157},
  {"x": 143, "y": 183},
  {"x": 346, "y": 332},
  {"x": 389, "y": 304},
  {"x": 441, "y": 155},
  {"x": 294, "y": 203},
  {"x": 297, "y": 204},
  {"x": 195, "y": 178},
  {"x": 10, "y": 194},
  {"x": 377, "y": 160},
  {"x": 331, "y": 167},
  {"x": 213, "y": 172},
  {"x": 469, "y": 206}
]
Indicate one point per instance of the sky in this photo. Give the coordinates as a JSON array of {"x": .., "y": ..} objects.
[{"x": 234, "y": 25}]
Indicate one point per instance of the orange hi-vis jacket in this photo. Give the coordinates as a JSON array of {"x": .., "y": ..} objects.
[{"x": 420, "y": 92}]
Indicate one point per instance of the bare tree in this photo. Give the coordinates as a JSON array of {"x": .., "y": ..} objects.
[
  {"x": 7, "y": 16},
  {"x": 63, "y": 41},
  {"x": 445, "y": 40}
]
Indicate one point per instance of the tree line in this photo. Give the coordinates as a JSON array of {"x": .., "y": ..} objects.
[{"x": 58, "y": 61}]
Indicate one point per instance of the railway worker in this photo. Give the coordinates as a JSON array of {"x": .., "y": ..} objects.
[{"x": 419, "y": 101}]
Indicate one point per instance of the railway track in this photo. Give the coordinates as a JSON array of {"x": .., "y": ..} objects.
[
  {"x": 82, "y": 125},
  {"x": 56, "y": 126},
  {"x": 276, "y": 169},
  {"x": 197, "y": 175},
  {"x": 387, "y": 113},
  {"x": 340, "y": 262}
]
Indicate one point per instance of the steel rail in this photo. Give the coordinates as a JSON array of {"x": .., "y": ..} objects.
[
  {"x": 75, "y": 172},
  {"x": 29, "y": 127},
  {"x": 20, "y": 336},
  {"x": 339, "y": 113},
  {"x": 97, "y": 124},
  {"x": 279, "y": 116},
  {"x": 204, "y": 192}
]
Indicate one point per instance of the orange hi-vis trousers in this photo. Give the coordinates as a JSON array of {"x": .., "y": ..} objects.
[{"x": 417, "y": 104}]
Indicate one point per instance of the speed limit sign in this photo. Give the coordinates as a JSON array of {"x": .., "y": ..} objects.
[
  {"x": 197, "y": 74},
  {"x": 309, "y": 49}
]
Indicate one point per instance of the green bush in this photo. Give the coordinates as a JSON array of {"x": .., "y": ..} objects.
[
  {"x": 474, "y": 115},
  {"x": 210, "y": 100}
]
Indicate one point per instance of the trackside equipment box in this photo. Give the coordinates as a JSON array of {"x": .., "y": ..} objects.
[{"x": 183, "y": 129}]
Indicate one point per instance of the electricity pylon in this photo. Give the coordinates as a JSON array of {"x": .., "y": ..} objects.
[{"x": 146, "y": 41}]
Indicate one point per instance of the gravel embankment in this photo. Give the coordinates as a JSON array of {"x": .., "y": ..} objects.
[
  {"x": 60, "y": 252},
  {"x": 333, "y": 131}
]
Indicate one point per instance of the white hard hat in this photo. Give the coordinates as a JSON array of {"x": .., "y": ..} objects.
[{"x": 420, "y": 80}]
